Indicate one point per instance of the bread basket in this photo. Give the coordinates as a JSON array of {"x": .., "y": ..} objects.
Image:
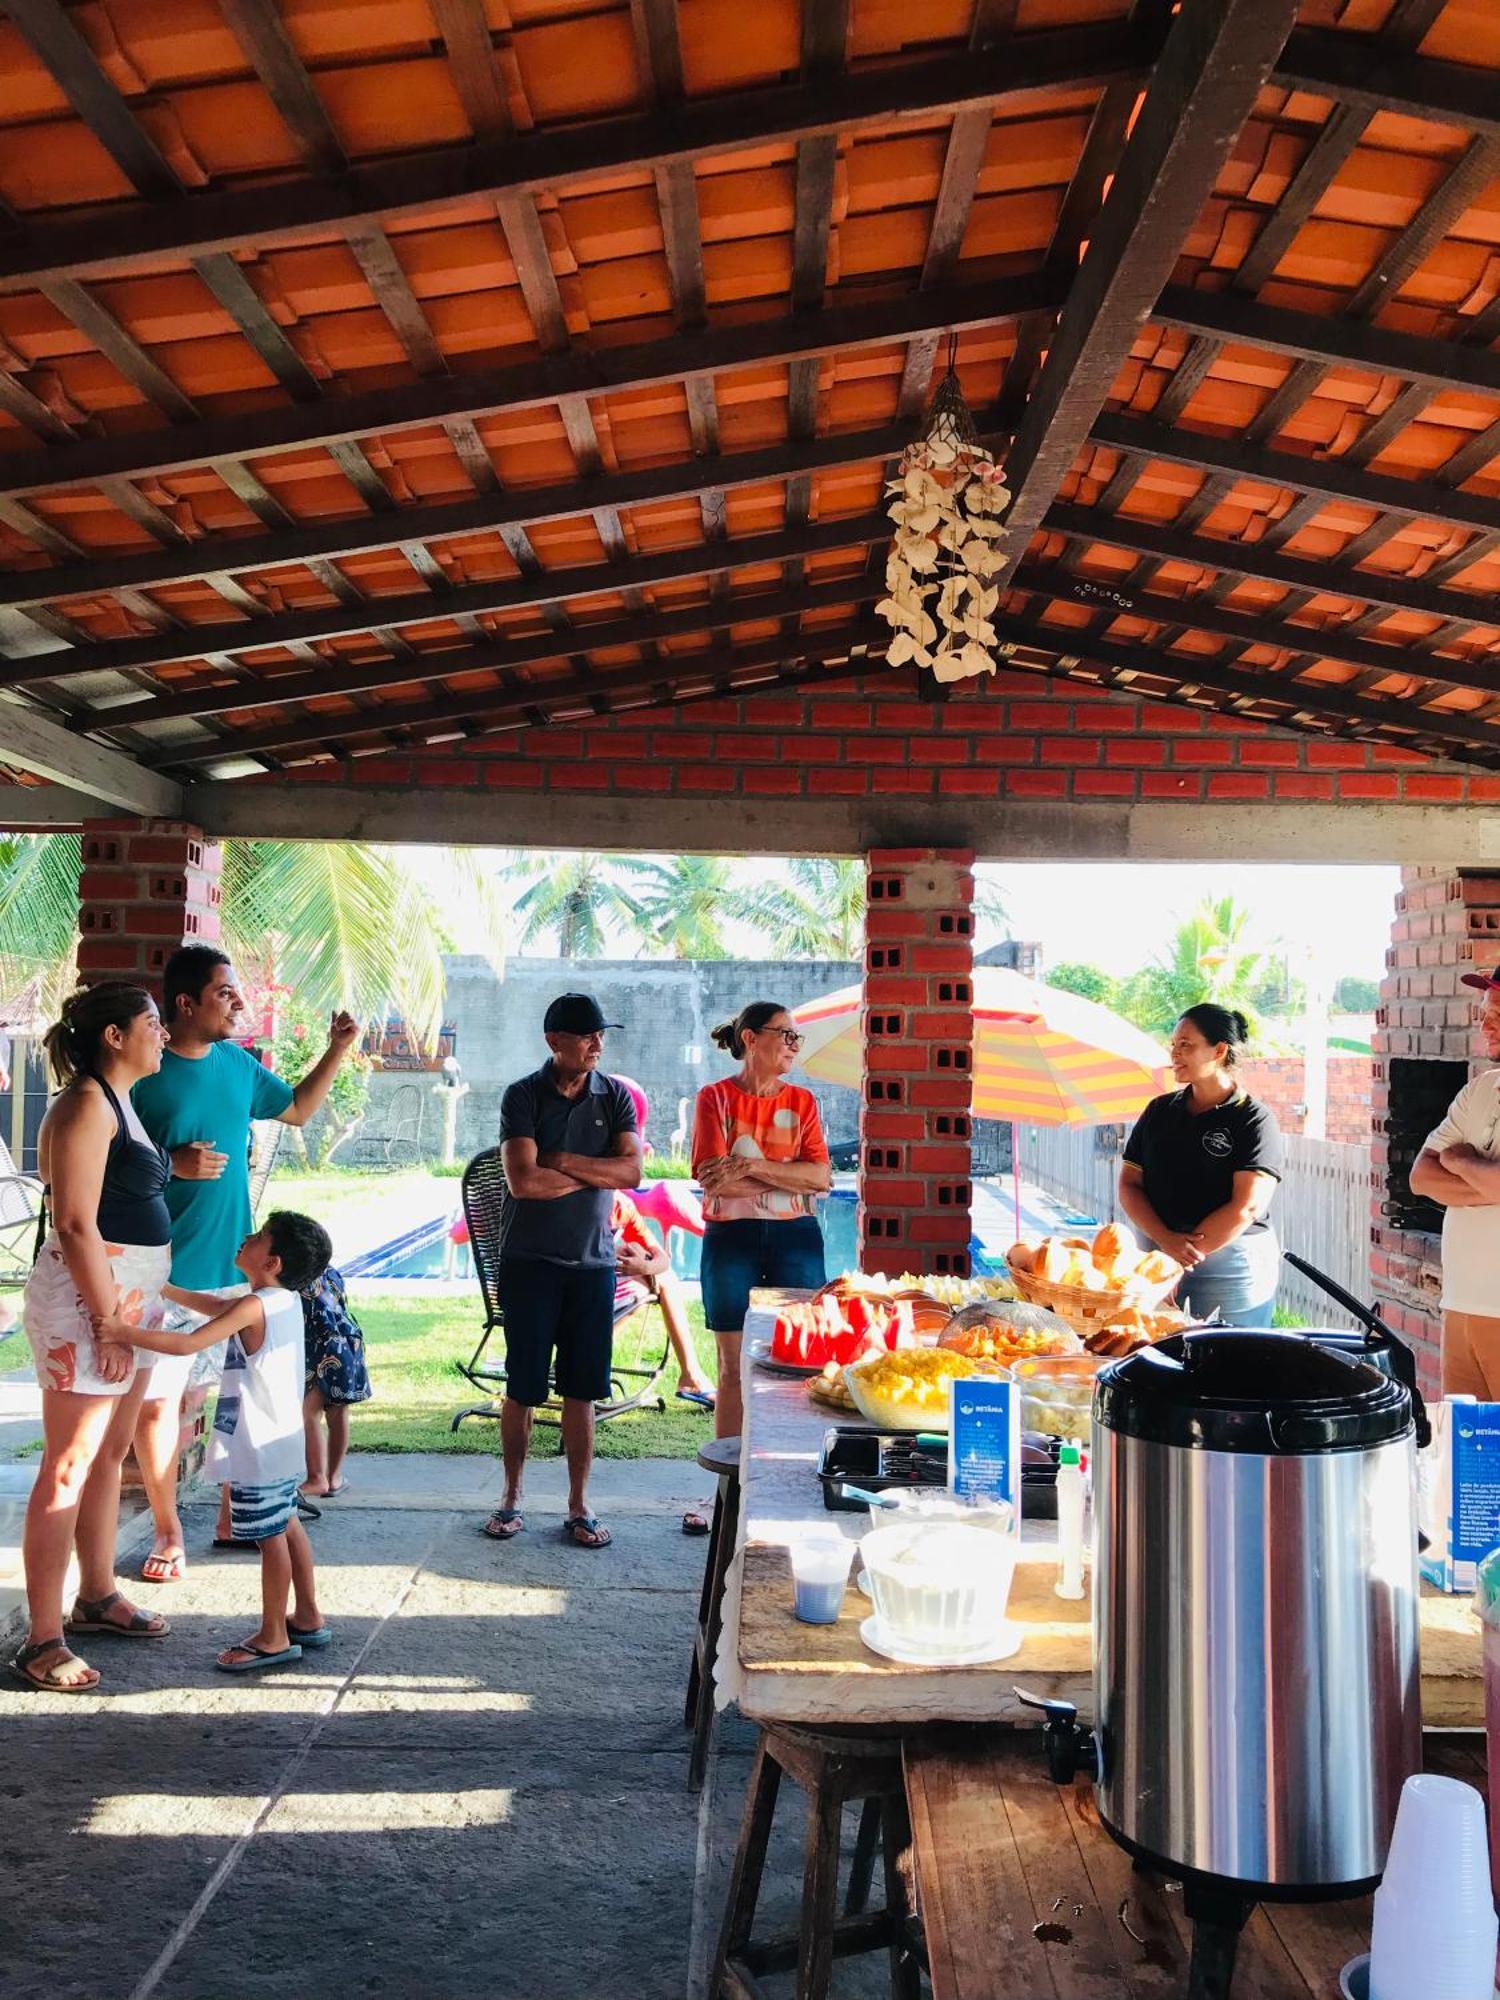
[{"x": 1085, "y": 1310}]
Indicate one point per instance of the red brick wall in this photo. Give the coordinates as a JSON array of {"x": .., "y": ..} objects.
[
  {"x": 1447, "y": 922},
  {"x": 1019, "y": 737},
  {"x": 1279, "y": 1081},
  {"x": 147, "y": 886},
  {"x": 914, "y": 1189}
]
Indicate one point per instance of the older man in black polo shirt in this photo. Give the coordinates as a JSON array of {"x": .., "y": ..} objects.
[{"x": 568, "y": 1142}]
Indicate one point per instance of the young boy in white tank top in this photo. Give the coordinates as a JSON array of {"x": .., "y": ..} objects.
[{"x": 257, "y": 1448}]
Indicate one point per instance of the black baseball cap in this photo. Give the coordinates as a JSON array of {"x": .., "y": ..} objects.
[
  {"x": 575, "y": 1014},
  {"x": 1487, "y": 982}
]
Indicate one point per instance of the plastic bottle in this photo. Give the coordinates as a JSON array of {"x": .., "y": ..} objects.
[{"x": 1069, "y": 1521}]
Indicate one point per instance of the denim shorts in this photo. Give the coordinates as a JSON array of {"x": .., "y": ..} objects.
[
  {"x": 1240, "y": 1280},
  {"x": 740, "y": 1255},
  {"x": 566, "y": 1310}
]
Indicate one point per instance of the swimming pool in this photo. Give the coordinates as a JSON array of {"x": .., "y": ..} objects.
[{"x": 422, "y": 1252}]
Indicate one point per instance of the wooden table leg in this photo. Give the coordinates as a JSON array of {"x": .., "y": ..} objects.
[
  {"x": 895, "y": 1842},
  {"x": 820, "y": 1891}
]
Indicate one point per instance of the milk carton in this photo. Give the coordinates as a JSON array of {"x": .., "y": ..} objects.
[
  {"x": 984, "y": 1442},
  {"x": 1458, "y": 1491}
]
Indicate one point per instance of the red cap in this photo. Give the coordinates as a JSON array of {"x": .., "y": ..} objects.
[{"x": 1487, "y": 982}]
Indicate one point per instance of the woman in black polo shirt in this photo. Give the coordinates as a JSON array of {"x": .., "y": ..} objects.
[{"x": 1200, "y": 1169}]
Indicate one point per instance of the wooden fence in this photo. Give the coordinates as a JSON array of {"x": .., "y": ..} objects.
[{"x": 1322, "y": 1210}]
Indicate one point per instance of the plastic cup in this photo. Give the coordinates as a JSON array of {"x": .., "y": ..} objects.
[
  {"x": 820, "y": 1574},
  {"x": 1435, "y": 1926}
]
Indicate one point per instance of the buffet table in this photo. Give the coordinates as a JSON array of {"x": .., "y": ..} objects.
[{"x": 780, "y": 1670}]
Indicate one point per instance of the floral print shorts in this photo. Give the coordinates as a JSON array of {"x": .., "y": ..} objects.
[{"x": 57, "y": 1322}]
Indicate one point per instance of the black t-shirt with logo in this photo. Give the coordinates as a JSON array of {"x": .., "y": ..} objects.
[{"x": 1188, "y": 1160}]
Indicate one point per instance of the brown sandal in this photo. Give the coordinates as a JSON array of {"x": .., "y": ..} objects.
[
  {"x": 91, "y": 1618},
  {"x": 47, "y": 1681}
]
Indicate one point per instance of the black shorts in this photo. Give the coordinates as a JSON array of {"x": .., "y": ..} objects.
[{"x": 561, "y": 1308}]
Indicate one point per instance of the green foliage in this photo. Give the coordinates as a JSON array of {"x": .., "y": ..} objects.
[
  {"x": 577, "y": 897},
  {"x": 682, "y": 904},
  {"x": 1089, "y": 982},
  {"x": 1210, "y": 957},
  {"x": 301, "y": 1037},
  {"x": 1356, "y": 996},
  {"x": 344, "y": 924},
  {"x": 662, "y": 1167}
]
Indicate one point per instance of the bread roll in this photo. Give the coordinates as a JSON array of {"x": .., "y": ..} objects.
[{"x": 1111, "y": 1246}]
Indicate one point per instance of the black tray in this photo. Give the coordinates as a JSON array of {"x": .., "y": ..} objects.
[{"x": 882, "y": 1460}]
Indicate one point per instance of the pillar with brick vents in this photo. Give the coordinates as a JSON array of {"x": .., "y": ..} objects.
[
  {"x": 1447, "y": 923},
  {"x": 918, "y": 1027},
  {"x": 147, "y": 886}
]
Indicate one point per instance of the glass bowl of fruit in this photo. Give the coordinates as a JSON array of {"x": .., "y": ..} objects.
[
  {"x": 1057, "y": 1393},
  {"x": 908, "y": 1390}
]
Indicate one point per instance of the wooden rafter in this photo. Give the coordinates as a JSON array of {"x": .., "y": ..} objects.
[
  {"x": 204, "y": 696},
  {"x": 528, "y": 706},
  {"x": 526, "y": 385},
  {"x": 1217, "y": 56},
  {"x": 548, "y": 587},
  {"x": 547, "y": 160}
]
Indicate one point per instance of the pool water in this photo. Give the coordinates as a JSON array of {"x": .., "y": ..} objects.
[{"x": 423, "y": 1252}]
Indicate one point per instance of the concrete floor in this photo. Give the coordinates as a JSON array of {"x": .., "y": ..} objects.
[{"x": 478, "y": 1789}]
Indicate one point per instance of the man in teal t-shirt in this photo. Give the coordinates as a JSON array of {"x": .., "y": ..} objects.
[{"x": 200, "y": 1105}]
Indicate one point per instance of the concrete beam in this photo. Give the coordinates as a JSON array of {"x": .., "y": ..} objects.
[
  {"x": 1156, "y": 831},
  {"x": 31, "y": 741},
  {"x": 44, "y": 808}
]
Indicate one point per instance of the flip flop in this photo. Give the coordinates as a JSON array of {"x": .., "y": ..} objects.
[
  {"x": 704, "y": 1398},
  {"x": 44, "y": 1682},
  {"x": 163, "y": 1569},
  {"x": 259, "y": 1659},
  {"x": 334, "y": 1491},
  {"x": 90, "y": 1618},
  {"x": 584, "y": 1532},
  {"x": 306, "y": 1511},
  {"x": 311, "y": 1638},
  {"x": 694, "y": 1524},
  {"x": 504, "y": 1524}
]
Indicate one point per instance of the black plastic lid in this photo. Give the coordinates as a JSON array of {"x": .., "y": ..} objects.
[{"x": 1268, "y": 1393}]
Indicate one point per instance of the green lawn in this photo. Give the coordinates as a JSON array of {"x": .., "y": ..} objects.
[{"x": 412, "y": 1346}]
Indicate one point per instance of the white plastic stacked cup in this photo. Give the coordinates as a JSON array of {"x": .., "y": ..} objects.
[{"x": 1435, "y": 1926}]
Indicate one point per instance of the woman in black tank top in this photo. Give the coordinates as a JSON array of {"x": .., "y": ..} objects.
[{"x": 108, "y": 1249}]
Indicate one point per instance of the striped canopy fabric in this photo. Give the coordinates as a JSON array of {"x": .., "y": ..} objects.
[{"x": 1041, "y": 1056}]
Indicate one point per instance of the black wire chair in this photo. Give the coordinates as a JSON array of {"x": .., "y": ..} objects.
[{"x": 484, "y": 1196}]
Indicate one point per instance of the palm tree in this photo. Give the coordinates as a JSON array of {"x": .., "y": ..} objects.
[
  {"x": 819, "y": 910},
  {"x": 1210, "y": 957},
  {"x": 578, "y": 896},
  {"x": 344, "y": 924},
  {"x": 684, "y": 903}
]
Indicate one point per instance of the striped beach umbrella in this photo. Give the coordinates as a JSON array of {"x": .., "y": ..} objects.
[{"x": 1041, "y": 1056}]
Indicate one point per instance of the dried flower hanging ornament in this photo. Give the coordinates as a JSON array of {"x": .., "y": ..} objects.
[{"x": 946, "y": 502}]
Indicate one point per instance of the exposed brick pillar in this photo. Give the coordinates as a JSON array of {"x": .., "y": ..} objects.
[
  {"x": 914, "y": 1188},
  {"x": 1447, "y": 922},
  {"x": 148, "y": 885}
]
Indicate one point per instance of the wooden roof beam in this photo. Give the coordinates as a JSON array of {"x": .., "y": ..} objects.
[
  {"x": 1217, "y": 56},
  {"x": 197, "y": 642},
  {"x": 521, "y": 708},
  {"x": 547, "y": 160},
  {"x": 203, "y": 696},
  {"x": 1410, "y": 499},
  {"x": 526, "y": 385},
  {"x": 1336, "y": 577},
  {"x": 78, "y": 576}
]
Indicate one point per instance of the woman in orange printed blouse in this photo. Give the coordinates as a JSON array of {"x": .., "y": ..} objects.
[{"x": 761, "y": 1159}]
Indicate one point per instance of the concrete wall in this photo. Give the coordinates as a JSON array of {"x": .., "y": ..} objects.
[{"x": 668, "y": 1007}]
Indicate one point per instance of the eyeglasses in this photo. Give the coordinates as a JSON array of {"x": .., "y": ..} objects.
[{"x": 789, "y": 1035}]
